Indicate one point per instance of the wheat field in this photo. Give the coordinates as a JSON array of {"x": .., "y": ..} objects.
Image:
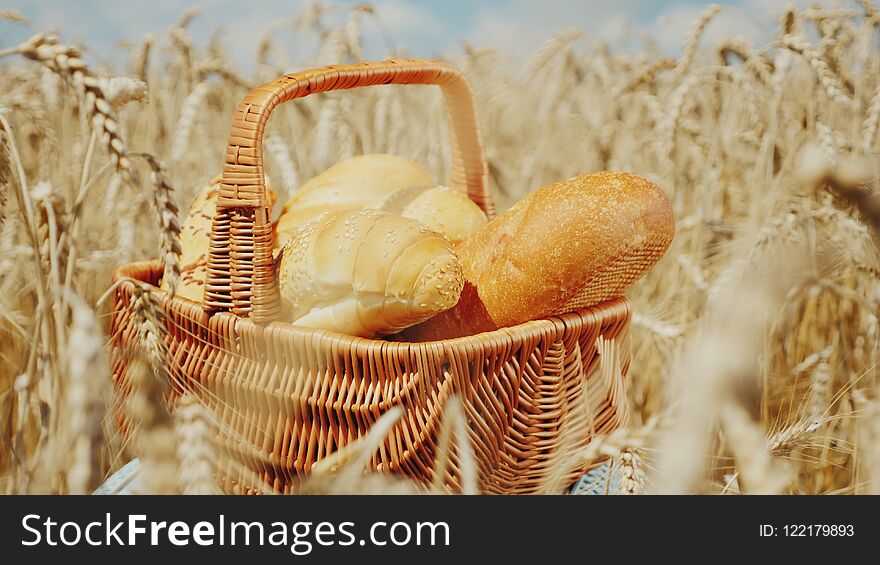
[{"x": 755, "y": 339}]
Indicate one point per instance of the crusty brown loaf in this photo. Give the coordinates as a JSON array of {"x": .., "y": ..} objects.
[{"x": 566, "y": 246}]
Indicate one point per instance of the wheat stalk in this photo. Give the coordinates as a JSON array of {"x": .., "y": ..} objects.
[
  {"x": 155, "y": 436},
  {"x": 13, "y": 16},
  {"x": 612, "y": 444},
  {"x": 827, "y": 143},
  {"x": 335, "y": 48},
  {"x": 142, "y": 61},
  {"x": 222, "y": 69},
  {"x": 752, "y": 59},
  {"x": 328, "y": 133},
  {"x": 353, "y": 29},
  {"x": 169, "y": 227},
  {"x": 820, "y": 388},
  {"x": 871, "y": 11},
  {"x": 188, "y": 16},
  {"x": 555, "y": 45},
  {"x": 759, "y": 472},
  {"x": 122, "y": 90},
  {"x": 86, "y": 365},
  {"x": 631, "y": 469},
  {"x": 195, "y": 450},
  {"x": 281, "y": 154},
  {"x": 692, "y": 41},
  {"x": 829, "y": 81},
  {"x": 193, "y": 102},
  {"x": 658, "y": 327},
  {"x": 66, "y": 62},
  {"x": 869, "y": 442},
  {"x": 146, "y": 368},
  {"x": 872, "y": 120},
  {"x": 787, "y": 439}
]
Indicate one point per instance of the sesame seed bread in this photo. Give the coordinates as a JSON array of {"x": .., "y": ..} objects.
[{"x": 366, "y": 273}]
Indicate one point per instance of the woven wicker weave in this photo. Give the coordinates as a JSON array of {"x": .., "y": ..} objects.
[{"x": 289, "y": 396}]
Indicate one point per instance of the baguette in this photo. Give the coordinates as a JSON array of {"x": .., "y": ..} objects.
[
  {"x": 366, "y": 273},
  {"x": 567, "y": 246},
  {"x": 195, "y": 239}
]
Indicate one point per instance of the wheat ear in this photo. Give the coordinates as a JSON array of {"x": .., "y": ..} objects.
[
  {"x": 188, "y": 112},
  {"x": 872, "y": 120},
  {"x": 692, "y": 41},
  {"x": 169, "y": 227},
  {"x": 66, "y": 62},
  {"x": 148, "y": 408},
  {"x": 632, "y": 473},
  {"x": 353, "y": 29},
  {"x": 195, "y": 450},
  {"x": 86, "y": 364},
  {"x": 760, "y": 472},
  {"x": 13, "y": 16},
  {"x": 829, "y": 81}
]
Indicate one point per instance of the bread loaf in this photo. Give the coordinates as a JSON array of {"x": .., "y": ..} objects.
[
  {"x": 439, "y": 208},
  {"x": 195, "y": 236},
  {"x": 366, "y": 273},
  {"x": 567, "y": 246},
  {"x": 349, "y": 185}
]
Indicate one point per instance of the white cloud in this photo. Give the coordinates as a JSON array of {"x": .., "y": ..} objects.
[{"x": 517, "y": 27}]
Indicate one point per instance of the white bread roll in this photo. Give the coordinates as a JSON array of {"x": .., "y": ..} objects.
[
  {"x": 566, "y": 246},
  {"x": 349, "y": 185},
  {"x": 366, "y": 273},
  {"x": 195, "y": 239},
  {"x": 439, "y": 208}
]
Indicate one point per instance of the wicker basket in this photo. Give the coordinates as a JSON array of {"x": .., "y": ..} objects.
[{"x": 289, "y": 396}]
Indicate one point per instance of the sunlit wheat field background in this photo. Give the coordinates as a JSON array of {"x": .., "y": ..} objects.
[{"x": 754, "y": 340}]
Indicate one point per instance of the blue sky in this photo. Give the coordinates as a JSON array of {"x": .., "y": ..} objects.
[{"x": 425, "y": 27}]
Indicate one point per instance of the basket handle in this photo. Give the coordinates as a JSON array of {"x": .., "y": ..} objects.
[{"x": 241, "y": 271}]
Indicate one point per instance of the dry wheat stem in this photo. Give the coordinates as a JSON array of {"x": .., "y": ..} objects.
[
  {"x": 554, "y": 46},
  {"x": 169, "y": 227},
  {"x": 13, "y": 16},
  {"x": 870, "y": 10},
  {"x": 25, "y": 204},
  {"x": 122, "y": 90},
  {"x": 692, "y": 41},
  {"x": 872, "y": 120},
  {"x": 188, "y": 112},
  {"x": 147, "y": 407},
  {"x": 156, "y": 445},
  {"x": 758, "y": 471},
  {"x": 353, "y": 29},
  {"x": 280, "y": 152},
  {"x": 142, "y": 61},
  {"x": 188, "y": 16},
  {"x": 751, "y": 58},
  {"x": 786, "y": 439},
  {"x": 632, "y": 474},
  {"x": 222, "y": 69},
  {"x": 829, "y": 81},
  {"x": 195, "y": 450},
  {"x": 86, "y": 365},
  {"x": 66, "y": 62},
  {"x": 869, "y": 439},
  {"x": 646, "y": 75}
]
